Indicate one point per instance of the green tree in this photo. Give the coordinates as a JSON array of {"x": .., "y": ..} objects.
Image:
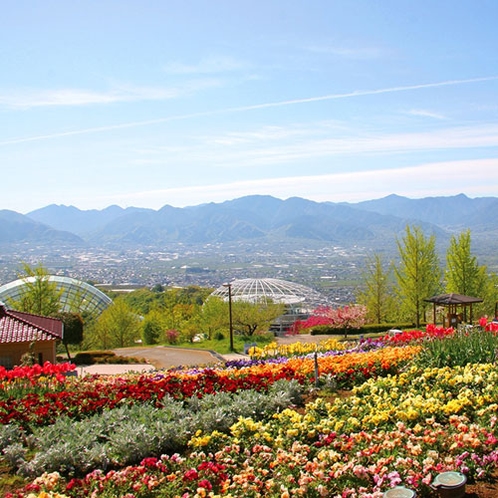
[
  {"x": 38, "y": 295},
  {"x": 465, "y": 276},
  {"x": 214, "y": 316},
  {"x": 117, "y": 327},
  {"x": 143, "y": 300},
  {"x": 418, "y": 274},
  {"x": 248, "y": 317},
  {"x": 73, "y": 329},
  {"x": 152, "y": 327},
  {"x": 377, "y": 291},
  {"x": 185, "y": 295}
]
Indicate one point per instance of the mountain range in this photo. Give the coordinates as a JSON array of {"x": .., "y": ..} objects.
[{"x": 253, "y": 218}]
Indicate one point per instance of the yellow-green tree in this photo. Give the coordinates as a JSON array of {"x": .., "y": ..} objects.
[
  {"x": 418, "y": 273},
  {"x": 377, "y": 292},
  {"x": 463, "y": 274},
  {"x": 153, "y": 327},
  {"x": 118, "y": 326}
]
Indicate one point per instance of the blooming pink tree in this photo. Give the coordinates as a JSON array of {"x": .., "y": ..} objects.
[{"x": 346, "y": 318}]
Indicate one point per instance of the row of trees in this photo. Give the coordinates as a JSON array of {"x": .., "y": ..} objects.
[
  {"x": 175, "y": 315},
  {"x": 397, "y": 292}
]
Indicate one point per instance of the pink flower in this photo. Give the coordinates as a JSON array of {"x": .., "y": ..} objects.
[{"x": 427, "y": 479}]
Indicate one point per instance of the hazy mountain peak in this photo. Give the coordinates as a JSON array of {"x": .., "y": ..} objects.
[{"x": 267, "y": 217}]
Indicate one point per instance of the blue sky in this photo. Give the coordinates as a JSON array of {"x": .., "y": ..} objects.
[{"x": 147, "y": 103}]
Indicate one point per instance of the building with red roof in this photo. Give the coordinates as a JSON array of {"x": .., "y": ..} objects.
[{"x": 22, "y": 333}]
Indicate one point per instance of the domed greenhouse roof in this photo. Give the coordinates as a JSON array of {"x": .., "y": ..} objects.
[
  {"x": 76, "y": 295},
  {"x": 271, "y": 289}
]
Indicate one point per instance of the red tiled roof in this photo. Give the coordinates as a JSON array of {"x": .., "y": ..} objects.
[{"x": 17, "y": 326}]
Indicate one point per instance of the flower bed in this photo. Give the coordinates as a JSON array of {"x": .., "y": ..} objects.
[
  {"x": 401, "y": 424},
  {"x": 83, "y": 397}
]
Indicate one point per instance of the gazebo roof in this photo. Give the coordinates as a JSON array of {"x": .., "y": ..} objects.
[{"x": 453, "y": 299}]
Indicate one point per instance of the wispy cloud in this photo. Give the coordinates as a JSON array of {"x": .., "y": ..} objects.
[
  {"x": 80, "y": 98},
  {"x": 347, "y": 52},
  {"x": 444, "y": 178},
  {"x": 75, "y": 97},
  {"x": 271, "y": 146},
  {"x": 424, "y": 113},
  {"x": 209, "y": 65}
]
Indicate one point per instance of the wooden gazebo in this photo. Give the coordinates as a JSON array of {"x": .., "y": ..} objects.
[{"x": 453, "y": 302}]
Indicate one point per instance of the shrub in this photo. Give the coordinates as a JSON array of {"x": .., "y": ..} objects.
[
  {"x": 374, "y": 328},
  {"x": 326, "y": 330},
  {"x": 172, "y": 336}
]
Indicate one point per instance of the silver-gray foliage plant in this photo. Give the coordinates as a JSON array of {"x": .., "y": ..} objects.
[{"x": 126, "y": 435}]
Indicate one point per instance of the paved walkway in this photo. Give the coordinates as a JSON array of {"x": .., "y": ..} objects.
[
  {"x": 162, "y": 357},
  {"x": 159, "y": 357}
]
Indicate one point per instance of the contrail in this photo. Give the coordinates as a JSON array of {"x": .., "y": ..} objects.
[
  {"x": 361, "y": 93},
  {"x": 336, "y": 96}
]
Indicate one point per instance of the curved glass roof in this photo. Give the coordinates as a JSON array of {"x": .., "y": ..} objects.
[
  {"x": 278, "y": 291},
  {"x": 76, "y": 295}
]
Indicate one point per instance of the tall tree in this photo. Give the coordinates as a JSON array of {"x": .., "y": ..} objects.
[
  {"x": 463, "y": 274},
  {"x": 117, "y": 327},
  {"x": 377, "y": 292},
  {"x": 38, "y": 295},
  {"x": 418, "y": 274}
]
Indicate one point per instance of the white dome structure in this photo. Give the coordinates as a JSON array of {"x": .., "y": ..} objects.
[{"x": 271, "y": 289}]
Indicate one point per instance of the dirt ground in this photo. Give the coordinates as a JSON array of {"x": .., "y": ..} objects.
[{"x": 482, "y": 490}]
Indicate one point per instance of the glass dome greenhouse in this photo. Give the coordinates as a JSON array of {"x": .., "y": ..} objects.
[
  {"x": 76, "y": 295},
  {"x": 295, "y": 296}
]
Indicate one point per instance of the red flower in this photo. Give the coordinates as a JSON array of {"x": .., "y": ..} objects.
[{"x": 191, "y": 475}]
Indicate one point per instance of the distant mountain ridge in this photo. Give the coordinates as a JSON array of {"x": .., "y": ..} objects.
[
  {"x": 257, "y": 217},
  {"x": 17, "y": 228},
  {"x": 455, "y": 211}
]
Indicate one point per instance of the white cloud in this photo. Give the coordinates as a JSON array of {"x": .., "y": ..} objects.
[
  {"x": 77, "y": 97},
  {"x": 347, "y": 52},
  {"x": 426, "y": 114},
  {"x": 473, "y": 177},
  {"x": 209, "y": 65},
  {"x": 287, "y": 145},
  {"x": 65, "y": 97}
]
